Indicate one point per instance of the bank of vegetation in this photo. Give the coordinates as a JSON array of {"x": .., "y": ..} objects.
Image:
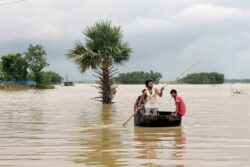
[
  {"x": 138, "y": 77},
  {"x": 202, "y": 78},
  {"x": 26, "y": 70}
]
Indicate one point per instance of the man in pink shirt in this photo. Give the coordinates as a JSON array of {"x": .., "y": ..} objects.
[{"x": 180, "y": 104}]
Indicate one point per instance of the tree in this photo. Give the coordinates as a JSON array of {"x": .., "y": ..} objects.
[
  {"x": 54, "y": 77},
  {"x": 203, "y": 78},
  {"x": 1, "y": 71},
  {"x": 47, "y": 78},
  {"x": 103, "y": 49},
  {"x": 14, "y": 67},
  {"x": 36, "y": 59},
  {"x": 138, "y": 77}
]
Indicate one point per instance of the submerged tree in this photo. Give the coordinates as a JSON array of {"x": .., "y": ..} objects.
[{"x": 103, "y": 49}]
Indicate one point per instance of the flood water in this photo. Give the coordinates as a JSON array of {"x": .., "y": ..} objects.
[{"x": 63, "y": 127}]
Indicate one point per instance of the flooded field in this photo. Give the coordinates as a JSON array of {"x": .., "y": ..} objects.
[{"x": 64, "y": 127}]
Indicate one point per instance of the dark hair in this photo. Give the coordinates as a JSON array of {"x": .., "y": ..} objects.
[
  {"x": 143, "y": 90},
  {"x": 173, "y": 91},
  {"x": 147, "y": 81}
]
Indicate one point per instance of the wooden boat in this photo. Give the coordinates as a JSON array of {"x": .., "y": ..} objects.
[{"x": 164, "y": 119}]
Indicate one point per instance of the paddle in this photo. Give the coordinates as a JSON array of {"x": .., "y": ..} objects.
[{"x": 129, "y": 119}]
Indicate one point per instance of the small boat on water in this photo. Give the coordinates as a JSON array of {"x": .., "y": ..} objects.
[
  {"x": 164, "y": 119},
  {"x": 68, "y": 83}
]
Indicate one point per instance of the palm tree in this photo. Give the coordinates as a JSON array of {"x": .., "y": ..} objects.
[{"x": 103, "y": 49}]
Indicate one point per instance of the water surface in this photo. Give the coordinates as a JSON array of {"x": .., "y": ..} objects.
[{"x": 64, "y": 127}]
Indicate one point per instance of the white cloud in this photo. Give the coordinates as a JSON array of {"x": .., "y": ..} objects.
[
  {"x": 162, "y": 33},
  {"x": 209, "y": 12}
]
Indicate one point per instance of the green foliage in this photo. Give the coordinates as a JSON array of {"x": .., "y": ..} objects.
[
  {"x": 46, "y": 78},
  {"x": 138, "y": 77},
  {"x": 1, "y": 71},
  {"x": 43, "y": 80},
  {"x": 36, "y": 59},
  {"x": 203, "y": 78},
  {"x": 54, "y": 77},
  {"x": 103, "y": 49},
  {"x": 237, "y": 92},
  {"x": 14, "y": 67}
]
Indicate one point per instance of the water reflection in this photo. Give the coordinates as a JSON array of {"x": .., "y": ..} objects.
[
  {"x": 155, "y": 145},
  {"x": 179, "y": 146},
  {"x": 21, "y": 126},
  {"x": 100, "y": 143}
]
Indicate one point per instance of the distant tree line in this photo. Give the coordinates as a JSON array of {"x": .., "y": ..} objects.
[
  {"x": 28, "y": 66},
  {"x": 238, "y": 80},
  {"x": 203, "y": 78},
  {"x": 138, "y": 77}
]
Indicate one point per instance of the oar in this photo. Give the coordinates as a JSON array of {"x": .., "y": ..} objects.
[{"x": 129, "y": 119}]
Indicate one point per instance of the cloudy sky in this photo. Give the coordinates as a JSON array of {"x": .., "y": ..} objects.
[{"x": 167, "y": 36}]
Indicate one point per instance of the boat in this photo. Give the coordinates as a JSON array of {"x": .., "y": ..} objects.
[
  {"x": 163, "y": 119},
  {"x": 68, "y": 83}
]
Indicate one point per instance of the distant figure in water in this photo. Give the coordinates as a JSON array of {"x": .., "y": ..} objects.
[
  {"x": 151, "y": 106},
  {"x": 179, "y": 103},
  {"x": 139, "y": 107}
]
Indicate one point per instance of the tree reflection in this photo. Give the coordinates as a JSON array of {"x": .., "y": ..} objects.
[
  {"x": 100, "y": 143},
  {"x": 156, "y": 144}
]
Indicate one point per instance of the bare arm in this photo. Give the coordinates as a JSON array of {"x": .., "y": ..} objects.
[
  {"x": 177, "y": 108},
  {"x": 135, "y": 105},
  {"x": 159, "y": 92},
  {"x": 142, "y": 97}
]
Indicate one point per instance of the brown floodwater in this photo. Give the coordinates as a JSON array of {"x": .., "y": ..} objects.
[{"x": 64, "y": 127}]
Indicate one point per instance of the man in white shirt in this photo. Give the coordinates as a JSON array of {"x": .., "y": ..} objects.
[{"x": 151, "y": 106}]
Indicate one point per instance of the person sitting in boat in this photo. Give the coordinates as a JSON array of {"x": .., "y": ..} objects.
[
  {"x": 140, "y": 105},
  {"x": 180, "y": 109},
  {"x": 151, "y": 106}
]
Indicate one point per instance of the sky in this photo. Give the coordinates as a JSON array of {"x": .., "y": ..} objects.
[{"x": 167, "y": 36}]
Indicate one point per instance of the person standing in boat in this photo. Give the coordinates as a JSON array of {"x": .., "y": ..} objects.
[
  {"x": 151, "y": 106},
  {"x": 180, "y": 109},
  {"x": 139, "y": 107}
]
